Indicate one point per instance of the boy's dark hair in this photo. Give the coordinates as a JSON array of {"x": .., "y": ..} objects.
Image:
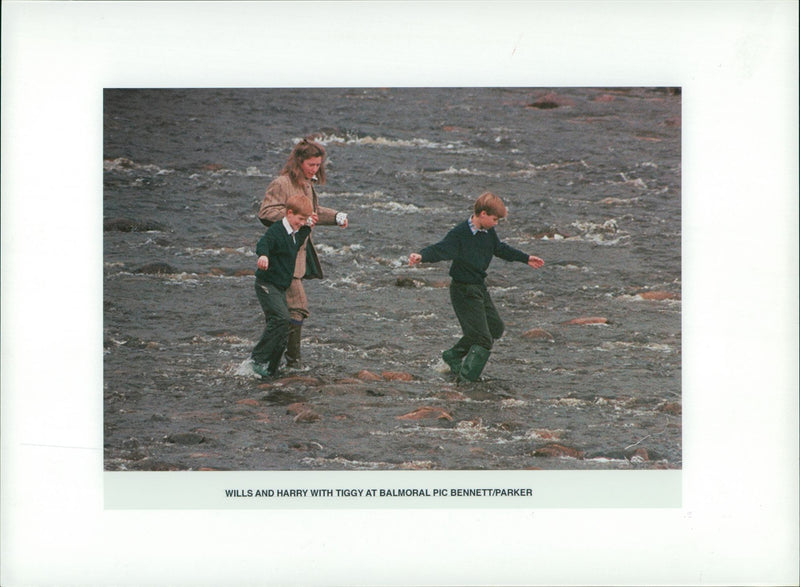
[
  {"x": 299, "y": 205},
  {"x": 305, "y": 149},
  {"x": 490, "y": 204}
]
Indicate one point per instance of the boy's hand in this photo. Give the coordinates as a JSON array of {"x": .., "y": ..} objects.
[
  {"x": 535, "y": 262},
  {"x": 414, "y": 259},
  {"x": 263, "y": 262}
]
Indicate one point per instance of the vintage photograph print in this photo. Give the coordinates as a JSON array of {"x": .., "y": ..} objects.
[{"x": 438, "y": 328}]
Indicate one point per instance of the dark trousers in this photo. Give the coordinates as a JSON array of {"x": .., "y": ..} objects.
[
  {"x": 477, "y": 315},
  {"x": 270, "y": 347}
]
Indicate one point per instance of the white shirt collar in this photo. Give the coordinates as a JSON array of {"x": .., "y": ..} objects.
[{"x": 287, "y": 226}]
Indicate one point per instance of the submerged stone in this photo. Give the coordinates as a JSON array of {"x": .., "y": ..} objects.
[
  {"x": 587, "y": 320},
  {"x": 426, "y": 412},
  {"x": 397, "y": 376}
]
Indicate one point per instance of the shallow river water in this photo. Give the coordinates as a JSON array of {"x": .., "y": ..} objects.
[{"x": 592, "y": 181}]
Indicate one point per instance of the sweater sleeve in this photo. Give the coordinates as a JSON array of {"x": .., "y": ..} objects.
[
  {"x": 507, "y": 252},
  {"x": 263, "y": 246},
  {"x": 273, "y": 206},
  {"x": 445, "y": 250}
]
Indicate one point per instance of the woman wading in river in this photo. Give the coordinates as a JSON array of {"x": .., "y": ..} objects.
[{"x": 304, "y": 168}]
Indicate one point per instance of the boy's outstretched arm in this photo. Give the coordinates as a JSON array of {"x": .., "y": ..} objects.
[{"x": 535, "y": 262}]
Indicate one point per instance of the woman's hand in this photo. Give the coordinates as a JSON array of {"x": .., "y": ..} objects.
[{"x": 414, "y": 259}]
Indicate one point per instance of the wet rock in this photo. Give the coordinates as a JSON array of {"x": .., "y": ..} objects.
[
  {"x": 558, "y": 450},
  {"x": 426, "y": 412},
  {"x": 281, "y": 397},
  {"x": 587, "y": 320},
  {"x": 185, "y": 438},
  {"x": 611, "y": 201},
  {"x": 365, "y": 375},
  {"x": 538, "y": 334},
  {"x": 673, "y": 408},
  {"x": 397, "y": 376},
  {"x": 307, "y": 416},
  {"x": 551, "y": 100},
  {"x": 130, "y": 225},
  {"x": 296, "y": 408},
  {"x": 409, "y": 282},
  {"x": 640, "y": 455},
  {"x": 157, "y": 269},
  {"x": 417, "y": 466},
  {"x": 303, "y": 413},
  {"x": 659, "y": 295},
  {"x": 549, "y": 234}
]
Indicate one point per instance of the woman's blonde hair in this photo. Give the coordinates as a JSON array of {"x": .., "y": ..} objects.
[{"x": 305, "y": 149}]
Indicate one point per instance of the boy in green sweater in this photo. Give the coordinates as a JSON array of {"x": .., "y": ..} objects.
[
  {"x": 277, "y": 253},
  {"x": 470, "y": 245}
]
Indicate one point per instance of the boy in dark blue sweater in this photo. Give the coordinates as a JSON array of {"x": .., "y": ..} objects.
[
  {"x": 277, "y": 252},
  {"x": 471, "y": 245}
]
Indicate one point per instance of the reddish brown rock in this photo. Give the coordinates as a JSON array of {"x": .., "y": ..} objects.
[
  {"x": 426, "y": 412},
  {"x": 605, "y": 98},
  {"x": 296, "y": 408},
  {"x": 543, "y": 434},
  {"x": 558, "y": 450},
  {"x": 397, "y": 376},
  {"x": 365, "y": 375},
  {"x": 248, "y": 402},
  {"x": 587, "y": 320},
  {"x": 640, "y": 454},
  {"x": 659, "y": 295},
  {"x": 673, "y": 408},
  {"x": 538, "y": 334},
  {"x": 307, "y": 416}
]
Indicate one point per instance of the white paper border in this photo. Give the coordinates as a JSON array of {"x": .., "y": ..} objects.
[{"x": 737, "y": 64}]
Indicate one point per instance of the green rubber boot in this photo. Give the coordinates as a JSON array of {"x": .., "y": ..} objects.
[
  {"x": 453, "y": 359},
  {"x": 474, "y": 363},
  {"x": 293, "y": 346}
]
